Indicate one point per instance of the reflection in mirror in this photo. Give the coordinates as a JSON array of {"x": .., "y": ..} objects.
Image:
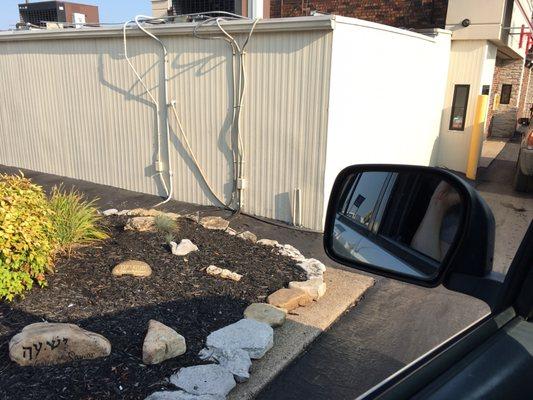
[{"x": 402, "y": 222}]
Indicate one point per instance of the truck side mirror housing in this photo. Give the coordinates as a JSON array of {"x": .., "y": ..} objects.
[{"x": 420, "y": 225}]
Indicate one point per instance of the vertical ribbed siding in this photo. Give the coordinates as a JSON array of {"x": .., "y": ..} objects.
[{"x": 73, "y": 108}]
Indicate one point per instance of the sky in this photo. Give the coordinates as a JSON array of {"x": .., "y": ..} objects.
[{"x": 110, "y": 10}]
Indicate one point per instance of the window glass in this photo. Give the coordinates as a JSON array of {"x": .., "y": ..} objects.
[
  {"x": 361, "y": 204},
  {"x": 506, "y": 94},
  {"x": 460, "y": 101}
]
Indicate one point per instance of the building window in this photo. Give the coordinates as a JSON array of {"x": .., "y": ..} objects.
[
  {"x": 459, "y": 103},
  {"x": 485, "y": 89},
  {"x": 506, "y": 94}
]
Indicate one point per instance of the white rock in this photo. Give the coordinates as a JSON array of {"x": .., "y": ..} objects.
[
  {"x": 216, "y": 223},
  {"x": 210, "y": 379},
  {"x": 123, "y": 212},
  {"x": 252, "y": 336},
  {"x": 161, "y": 343},
  {"x": 266, "y": 313},
  {"x": 111, "y": 211},
  {"x": 185, "y": 247},
  {"x": 268, "y": 242},
  {"x": 313, "y": 267},
  {"x": 290, "y": 251},
  {"x": 247, "y": 235},
  {"x": 181, "y": 395},
  {"x": 55, "y": 343},
  {"x": 231, "y": 231},
  {"x": 315, "y": 287},
  {"x": 224, "y": 273},
  {"x": 140, "y": 224},
  {"x": 237, "y": 361}
]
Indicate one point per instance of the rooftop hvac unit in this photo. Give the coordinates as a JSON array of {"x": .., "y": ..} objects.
[
  {"x": 199, "y": 6},
  {"x": 37, "y": 13}
]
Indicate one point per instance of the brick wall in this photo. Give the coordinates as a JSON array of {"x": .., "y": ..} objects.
[
  {"x": 502, "y": 122},
  {"x": 399, "y": 13}
]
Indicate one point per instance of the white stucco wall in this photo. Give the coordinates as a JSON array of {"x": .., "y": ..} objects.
[{"x": 386, "y": 96}]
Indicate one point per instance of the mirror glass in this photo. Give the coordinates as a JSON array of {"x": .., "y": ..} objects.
[{"x": 402, "y": 222}]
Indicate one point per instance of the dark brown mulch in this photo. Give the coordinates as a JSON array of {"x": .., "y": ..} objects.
[{"x": 179, "y": 294}]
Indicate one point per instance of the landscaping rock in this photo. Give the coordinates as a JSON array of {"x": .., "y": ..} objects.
[
  {"x": 237, "y": 361},
  {"x": 268, "y": 242},
  {"x": 266, "y": 313},
  {"x": 254, "y": 337},
  {"x": 313, "y": 268},
  {"x": 141, "y": 224},
  {"x": 290, "y": 251},
  {"x": 55, "y": 343},
  {"x": 172, "y": 216},
  {"x": 185, "y": 247},
  {"x": 289, "y": 299},
  {"x": 111, "y": 211},
  {"x": 195, "y": 217},
  {"x": 315, "y": 287},
  {"x": 216, "y": 223},
  {"x": 231, "y": 231},
  {"x": 123, "y": 212},
  {"x": 223, "y": 273},
  {"x": 181, "y": 395},
  {"x": 161, "y": 343},
  {"x": 247, "y": 235},
  {"x": 210, "y": 379},
  {"x": 141, "y": 212},
  {"x": 132, "y": 267}
]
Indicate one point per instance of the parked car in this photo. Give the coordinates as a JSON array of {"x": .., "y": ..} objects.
[
  {"x": 428, "y": 227},
  {"x": 523, "y": 179}
]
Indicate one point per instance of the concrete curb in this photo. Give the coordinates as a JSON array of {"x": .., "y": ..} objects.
[{"x": 302, "y": 327}]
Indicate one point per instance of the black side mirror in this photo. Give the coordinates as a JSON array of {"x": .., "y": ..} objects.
[{"x": 416, "y": 224}]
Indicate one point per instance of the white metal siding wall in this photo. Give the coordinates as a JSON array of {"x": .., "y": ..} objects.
[{"x": 73, "y": 108}]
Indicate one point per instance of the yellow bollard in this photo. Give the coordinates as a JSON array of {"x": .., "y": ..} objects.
[{"x": 477, "y": 136}]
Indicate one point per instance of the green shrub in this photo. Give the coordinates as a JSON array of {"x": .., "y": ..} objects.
[
  {"x": 75, "y": 220},
  {"x": 27, "y": 241}
]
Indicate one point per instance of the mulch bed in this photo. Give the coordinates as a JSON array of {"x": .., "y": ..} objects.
[{"x": 178, "y": 293}]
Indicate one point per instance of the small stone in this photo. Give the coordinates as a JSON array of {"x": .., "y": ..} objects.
[
  {"x": 231, "y": 231},
  {"x": 312, "y": 267},
  {"x": 247, "y": 235},
  {"x": 141, "y": 224},
  {"x": 123, "y": 212},
  {"x": 216, "y": 223},
  {"x": 141, "y": 212},
  {"x": 195, "y": 217},
  {"x": 266, "y": 313},
  {"x": 289, "y": 299},
  {"x": 111, "y": 211},
  {"x": 162, "y": 343},
  {"x": 254, "y": 337},
  {"x": 172, "y": 216},
  {"x": 55, "y": 343},
  {"x": 290, "y": 251},
  {"x": 132, "y": 267},
  {"x": 268, "y": 242},
  {"x": 210, "y": 379},
  {"x": 213, "y": 270},
  {"x": 315, "y": 287},
  {"x": 181, "y": 395},
  {"x": 237, "y": 361},
  {"x": 185, "y": 247}
]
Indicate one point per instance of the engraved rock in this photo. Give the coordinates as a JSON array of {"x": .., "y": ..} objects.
[
  {"x": 161, "y": 343},
  {"x": 55, "y": 343},
  {"x": 132, "y": 267}
]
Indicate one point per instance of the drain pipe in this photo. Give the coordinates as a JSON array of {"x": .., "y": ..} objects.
[{"x": 159, "y": 165}]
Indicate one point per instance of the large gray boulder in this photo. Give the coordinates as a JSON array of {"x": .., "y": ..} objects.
[
  {"x": 252, "y": 336},
  {"x": 237, "y": 361},
  {"x": 210, "y": 379}
]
